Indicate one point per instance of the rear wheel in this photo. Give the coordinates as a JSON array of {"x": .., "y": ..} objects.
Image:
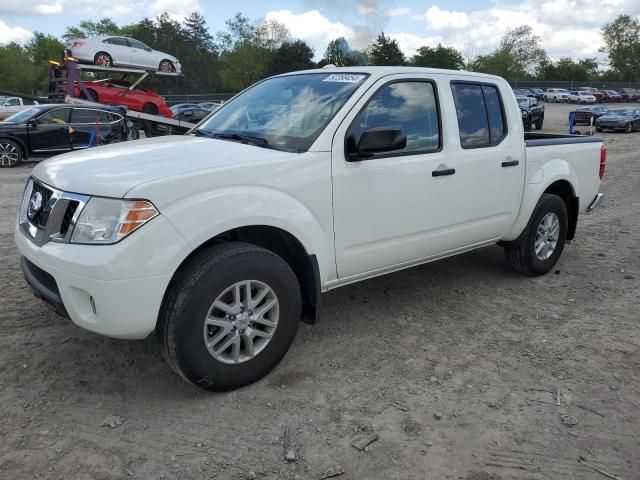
[
  {"x": 93, "y": 96},
  {"x": 103, "y": 59},
  {"x": 167, "y": 66},
  {"x": 540, "y": 244},
  {"x": 230, "y": 315},
  {"x": 150, "y": 108},
  {"x": 10, "y": 153}
]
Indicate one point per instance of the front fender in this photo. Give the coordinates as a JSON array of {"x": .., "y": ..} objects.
[
  {"x": 539, "y": 177},
  {"x": 207, "y": 214}
]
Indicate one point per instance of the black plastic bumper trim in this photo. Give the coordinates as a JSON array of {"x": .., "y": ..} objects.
[{"x": 52, "y": 299}]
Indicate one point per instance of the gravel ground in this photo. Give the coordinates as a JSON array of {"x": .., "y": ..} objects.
[{"x": 454, "y": 365}]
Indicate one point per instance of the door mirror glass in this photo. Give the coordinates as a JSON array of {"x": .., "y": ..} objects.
[
  {"x": 32, "y": 123},
  {"x": 381, "y": 139}
]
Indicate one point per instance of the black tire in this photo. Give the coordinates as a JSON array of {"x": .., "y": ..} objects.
[
  {"x": 167, "y": 66},
  {"x": 93, "y": 96},
  {"x": 103, "y": 59},
  {"x": 150, "y": 108},
  {"x": 11, "y": 153},
  {"x": 520, "y": 253},
  {"x": 629, "y": 128},
  {"x": 197, "y": 284},
  {"x": 539, "y": 123}
]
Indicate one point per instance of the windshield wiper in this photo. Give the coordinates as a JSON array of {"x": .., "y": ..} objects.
[
  {"x": 201, "y": 133},
  {"x": 257, "y": 141}
]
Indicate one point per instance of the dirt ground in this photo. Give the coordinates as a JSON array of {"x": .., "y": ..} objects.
[{"x": 454, "y": 366}]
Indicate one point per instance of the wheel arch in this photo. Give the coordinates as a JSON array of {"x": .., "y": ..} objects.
[
  {"x": 564, "y": 190},
  {"x": 285, "y": 245}
]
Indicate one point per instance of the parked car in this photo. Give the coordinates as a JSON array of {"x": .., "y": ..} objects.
[
  {"x": 52, "y": 129},
  {"x": 593, "y": 91},
  {"x": 611, "y": 96},
  {"x": 178, "y": 107},
  {"x": 221, "y": 240},
  {"x": 118, "y": 92},
  {"x": 114, "y": 50},
  {"x": 11, "y": 105},
  {"x": 556, "y": 95},
  {"x": 619, "y": 119},
  {"x": 523, "y": 92},
  {"x": 537, "y": 92},
  {"x": 583, "y": 115},
  {"x": 211, "y": 106},
  {"x": 580, "y": 96},
  {"x": 532, "y": 113},
  {"x": 630, "y": 95},
  {"x": 193, "y": 115}
]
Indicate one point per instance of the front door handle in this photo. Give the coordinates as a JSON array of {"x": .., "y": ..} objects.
[
  {"x": 442, "y": 173},
  {"x": 510, "y": 163}
]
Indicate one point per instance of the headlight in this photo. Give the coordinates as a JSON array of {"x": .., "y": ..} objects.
[{"x": 109, "y": 220}]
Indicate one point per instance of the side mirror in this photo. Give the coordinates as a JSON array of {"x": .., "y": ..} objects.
[
  {"x": 376, "y": 140},
  {"x": 33, "y": 123}
]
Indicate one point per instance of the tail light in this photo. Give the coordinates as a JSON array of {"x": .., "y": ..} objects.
[
  {"x": 77, "y": 44},
  {"x": 603, "y": 160}
]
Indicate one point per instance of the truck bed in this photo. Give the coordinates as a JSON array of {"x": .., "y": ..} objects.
[{"x": 534, "y": 139}]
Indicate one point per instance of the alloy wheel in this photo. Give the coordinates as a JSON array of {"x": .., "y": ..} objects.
[
  {"x": 241, "y": 322},
  {"x": 547, "y": 236},
  {"x": 9, "y": 154}
]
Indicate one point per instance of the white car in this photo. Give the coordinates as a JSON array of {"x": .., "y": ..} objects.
[
  {"x": 580, "y": 96},
  {"x": 113, "y": 50},
  {"x": 556, "y": 95},
  {"x": 219, "y": 241},
  {"x": 11, "y": 105}
]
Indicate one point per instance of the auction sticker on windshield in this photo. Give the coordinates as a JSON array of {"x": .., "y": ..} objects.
[{"x": 344, "y": 78}]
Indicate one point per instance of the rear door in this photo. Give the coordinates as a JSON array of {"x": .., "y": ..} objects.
[
  {"x": 490, "y": 159},
  {"x": 52, "y": 132},
  {"x": 86, "y": 121},
  {"x": 119, "y": 50}
]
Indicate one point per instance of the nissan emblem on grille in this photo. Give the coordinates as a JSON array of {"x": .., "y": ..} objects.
[{"x": 35, "y": 205}]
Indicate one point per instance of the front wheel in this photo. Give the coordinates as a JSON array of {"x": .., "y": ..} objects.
[
  {"x": 10, "y": 153},
  {"x": 167, "y": 66},
  {"x": 540, "y": 244},
  {"x": 229, "y": 316}
]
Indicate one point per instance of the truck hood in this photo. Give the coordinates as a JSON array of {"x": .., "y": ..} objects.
[{"x": 113, "y": 170}]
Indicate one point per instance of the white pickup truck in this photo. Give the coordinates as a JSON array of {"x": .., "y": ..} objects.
[{"x": 220, "y": 241}]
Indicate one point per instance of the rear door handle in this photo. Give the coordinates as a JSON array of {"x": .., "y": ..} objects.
[
  {"x": 442, "y": 173},
  {"x": 510, "y": 163}
]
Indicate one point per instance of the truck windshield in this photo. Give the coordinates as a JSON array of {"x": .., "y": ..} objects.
[{"x": 286, "y": 113}]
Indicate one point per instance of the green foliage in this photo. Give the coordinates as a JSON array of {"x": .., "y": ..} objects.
[
  {"x": 89, "y": 28},
  {"x": 339, "y": 53},
  {"x": 290, "y": 57},
  {"x": 438, "y": 57},
  {"x": 523, "y": 47},
  {"x": 17, "y": 72},
  {"x": 622, "y": 43},
  {"x": 567, "y": 69},
  {"x": 500, "y": 63},
  {"x": 386, "y": 51},
  {"x": 244, "y": 65}
]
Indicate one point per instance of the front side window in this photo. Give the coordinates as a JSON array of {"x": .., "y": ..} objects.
[
  {"x": 481, "y": 119},
  {"x": 13, "y": 102},
  {"x": 59, "y": 116},
  {"x": 287, "y": 112},
  {"x": 137, "y": 44},
  {"x": 410, "y": 105}
]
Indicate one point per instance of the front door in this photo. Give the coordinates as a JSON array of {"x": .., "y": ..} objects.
[
  {"x": 391, "y": 209},
  {"x": 52, "y": 133}
]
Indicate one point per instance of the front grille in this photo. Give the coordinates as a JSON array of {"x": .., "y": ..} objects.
[
  {"x": 54, "y": 220},
  {"x": 68, "y": 217}
]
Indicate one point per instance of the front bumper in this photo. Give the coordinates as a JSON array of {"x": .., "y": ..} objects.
[{"x": 114, "y": 290}]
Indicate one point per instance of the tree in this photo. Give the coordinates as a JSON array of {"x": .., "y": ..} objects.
[
  {"x": 243, "y": 66},
  {"x": 17, "y": 72},
  {"x": 291, "y": 56},
  {"x": 339, "y": 53},
  {"x": 438, "y": 57},
  {"x": 239, "y": 30},
  {"x": 621, "y": 40},
  {"x": 386, "y": 51},
  {"x": 567, "y": 69},
  {"x": 270, "y": 34},
  {"x": 89, "y": 28},
  {"x": 523, "y": 47},
  {"x": 501, "y": 63}
]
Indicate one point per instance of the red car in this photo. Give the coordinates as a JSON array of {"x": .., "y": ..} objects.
[
  {"x": 595, "y": 92},
  {"x": 116, "y": 92},
  {"x": 611, "y": 96}
]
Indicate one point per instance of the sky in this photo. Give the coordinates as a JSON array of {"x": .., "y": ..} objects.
[{"x": 566, "y": 27}]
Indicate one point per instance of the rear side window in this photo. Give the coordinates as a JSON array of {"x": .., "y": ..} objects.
[
  {"x": 410, "y": 105},
  {"x": 83, "y": 115},
  {"x": 480, "y": 113}
]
